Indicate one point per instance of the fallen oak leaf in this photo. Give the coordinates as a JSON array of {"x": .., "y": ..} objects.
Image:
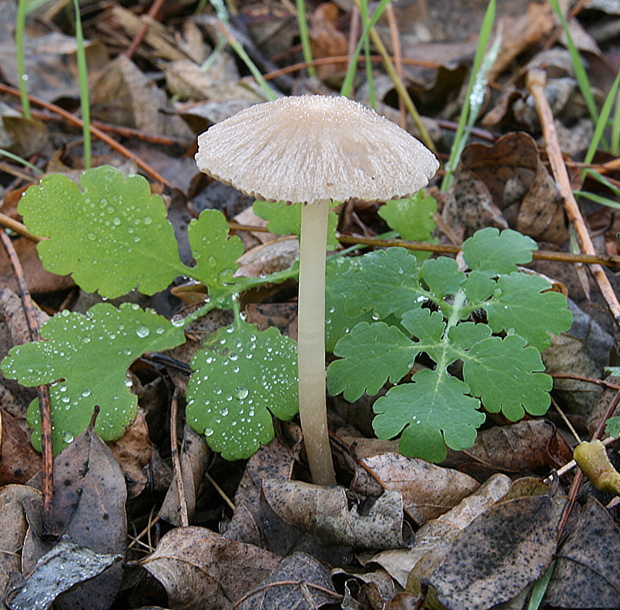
[{"x": 327, "y": 514}]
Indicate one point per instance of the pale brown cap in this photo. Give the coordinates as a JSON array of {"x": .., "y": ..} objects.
[{"x": 312, "y": 147}]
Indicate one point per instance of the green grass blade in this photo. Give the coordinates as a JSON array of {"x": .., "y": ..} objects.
[
  {"x": 474, "y": 90},
  {"x": 20, "y": 26},
  {"x": 304, "y": 36},
  {"x": 601, "y": 124},
  {"x": 222, "y": 14},
  {"x": 347, "y": 85},
  {"x": 615, "y": 129},
  {"x": 18, "y": 159},
  {"x": 580, "y": 70},
  {"x": 83, "y": 80}
]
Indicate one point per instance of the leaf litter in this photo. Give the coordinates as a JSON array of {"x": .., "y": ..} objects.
[{"x": 472, "y": 532}]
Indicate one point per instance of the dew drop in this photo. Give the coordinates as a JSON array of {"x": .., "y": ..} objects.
[
  {"x": 241, "y": 392},
  {"x": 208, "y": 431},
  {"x": 143, "y": 331}
]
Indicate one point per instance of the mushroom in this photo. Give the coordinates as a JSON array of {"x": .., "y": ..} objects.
[{"x": 314, "y": 149}]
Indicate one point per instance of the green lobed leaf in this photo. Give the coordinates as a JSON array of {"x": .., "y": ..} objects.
[
  {"x": 241, "y": 377},
  {"x": 337, "y": 322},
  {"x": 285, "y": 219},
  {"x": 442, "y": 276},
  {"x": 86, "y": 358},
  {"x": 112, "y": 235},
  {"x": 492, "y": 252},
  {"x": 612, "y": 427},
  {"x": 465, "y": 335},
  {"x": 524, "y": 304},
  {"x": 386, "y": 282},
  {"x": 428, "y": 328},
  {"x": 506, "y": 375},
  {"x": 478, "y": 287},
  {"x": 215, "y": 251},
  {"x": 432, "y": 411},
  {"x": 411, "y": 217},
  {"x": 371, "y": 355}
]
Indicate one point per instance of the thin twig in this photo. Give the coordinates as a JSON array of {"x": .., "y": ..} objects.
[
  {"x": 372, "y": 242},
  {"x": 146, "y": 24},
  {"x": 176, "y": 462},
  {"x": 17, "y": 227},
  {"x": 536, "y": 84},
  {"x": 49, "y": 526},
  {"x": 104, "y": 137}
]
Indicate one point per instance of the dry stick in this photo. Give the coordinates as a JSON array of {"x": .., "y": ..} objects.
[
  {"x": 546, "y": 255},
  {"x": 536, "y": 84},
  {"x": 176, "y": 462},
  {"x": 339, "y": 59},
  {"x": 49, "y": 526},
  {"x": 104, "y": 137},
  {"x": 151, "y": 15},
  {"x": 120, "y": 130}
]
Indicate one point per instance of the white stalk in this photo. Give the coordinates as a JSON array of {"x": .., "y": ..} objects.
[{"x": 311, "y": 341}]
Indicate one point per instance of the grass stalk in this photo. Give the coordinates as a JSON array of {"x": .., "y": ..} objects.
[
  {"x": 20, "y": 26},
  {"x": 304, "y": 36},
  {"x": 475, "y": 92},
  {"x": 581, "y": 73},
  {"x": 83, "y": 81}
]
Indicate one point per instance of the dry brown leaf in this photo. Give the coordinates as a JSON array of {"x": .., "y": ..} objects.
[
  {"x": 271, "y": 461},
  {"x": 201, "y": 569},
  {"x": 503, "y": 551},
  {"x": 326, "y": 40},
  {"x": 427, "y": 490},
  {"x": 525, "y": 446},
  {"x": 194, "y": 456},
  {"x": 19, "y": 506},
  {"x": 124, "y": 95},
  {"x": 505, "y": 185},
  {"x": 133, "y": 452},
  {"x": 89, "y": 507},
  {"x": 587, "y": 572},
  {"x": 18, "y": 460},
  {"x": 335, "y": 518},
  {"x": 267, "y": 258},
  {"x": 433, "y": 539},
  {"x": 299, "y": 581}
]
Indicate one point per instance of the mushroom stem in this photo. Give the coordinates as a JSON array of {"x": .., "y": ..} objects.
[{"x": 311, "y": 341}]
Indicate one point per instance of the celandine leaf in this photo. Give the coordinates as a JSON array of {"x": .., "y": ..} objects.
[
  {"x": 428, "y": 328},
  {"x": 86, "y": 358},
  {"x": 371, "y": 355},
  {"x": 442, "y": 276},
  {"x": 285, "y": 219},
  {"x": 241, "y": 377},
  {"x": 112, "y": 236},
  {"x": 386, "y": 282},
  {"x": 507, "y": 375},
  {"x": 411, "y": 217},
  {"x": 432, "y": 411},
  {"x": 337, "y": 322},
  {"x": 524, "y": 304},
  {"x": 214, "y": 250},
  {"x": 492, "y": 252}
]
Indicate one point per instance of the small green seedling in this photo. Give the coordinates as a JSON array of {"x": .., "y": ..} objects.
[
  {"x": 112, "y": 235},
  {"x": 379, "y": 319},
  {"x": 427, "y": 309}
]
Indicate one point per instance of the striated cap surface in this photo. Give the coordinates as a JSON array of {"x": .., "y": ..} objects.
[{"x": 313, "y": 147}]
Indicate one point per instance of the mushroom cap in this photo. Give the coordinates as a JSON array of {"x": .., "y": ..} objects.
[{"x": 312, "y": 147}]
